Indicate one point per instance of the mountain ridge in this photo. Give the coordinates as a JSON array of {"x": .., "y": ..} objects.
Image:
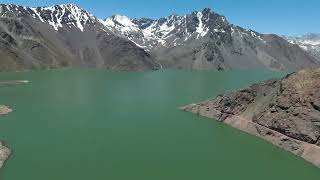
[
  {"x": 64, "y": 36},
  {"x": 68, "y": 36},
  {"x": 310, "y": 42},
  {"x": 206, "y": 40}
]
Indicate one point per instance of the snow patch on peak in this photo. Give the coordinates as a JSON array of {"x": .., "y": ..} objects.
[
  {"x": 56, "y": 16},
  {"x": 201, "y": 30},
  {"x": 78, "y": 14},
  {"x": 165, "y": 29},
  {"x": 311, "y": 42},
  {"x": 81, "y": 16},
  {"x": 307, "y": 42},
  {"x": 124, "y": 20},
  {"x": 36, "y": 14},
  {"x": 69, "y": 5},
  {"x": 120, "y": 23},
  {"x": 255, "y": 35}
]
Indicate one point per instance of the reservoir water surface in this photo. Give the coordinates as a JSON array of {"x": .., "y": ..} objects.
[{"x": 99, "y": 125}]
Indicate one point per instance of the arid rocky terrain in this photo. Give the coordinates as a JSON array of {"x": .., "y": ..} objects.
[{"x": 285, "y": 112}]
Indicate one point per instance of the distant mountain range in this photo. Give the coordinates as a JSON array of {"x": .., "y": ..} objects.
[
  {"x": 309, "y": 42},
  {"x": 68, "y": 36}
]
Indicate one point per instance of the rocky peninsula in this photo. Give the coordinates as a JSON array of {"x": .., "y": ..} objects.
[{"x": 285, "y": 112}]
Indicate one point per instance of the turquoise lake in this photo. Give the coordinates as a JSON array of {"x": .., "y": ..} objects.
[{"x": 83, "y": 124}]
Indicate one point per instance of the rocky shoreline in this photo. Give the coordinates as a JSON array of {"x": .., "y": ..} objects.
[
  {"x": 4, "y": 151},
  {"x": 4, "y": 110},
  {"x": 4, "y": 154},
  {"x": 285, "y": 112}
]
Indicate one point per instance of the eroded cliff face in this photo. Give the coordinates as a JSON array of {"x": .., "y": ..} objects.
[{"x": 285, "y": 112}]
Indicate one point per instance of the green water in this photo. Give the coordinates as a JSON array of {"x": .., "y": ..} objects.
[{"x": 100, "y": 125}]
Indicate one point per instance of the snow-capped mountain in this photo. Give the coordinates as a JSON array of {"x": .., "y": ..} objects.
[
  {"x": 309, "y": 42},
  {"x": 206, "y": 40},
  {"x": 56, "y": 16},
  {"x": 69, "y": 36},
  {"x": 173, "y": 30},
  {"x": 63, "y": 36}
]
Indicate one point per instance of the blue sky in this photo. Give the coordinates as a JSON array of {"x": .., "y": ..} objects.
[{"x": 284, "y": 17}]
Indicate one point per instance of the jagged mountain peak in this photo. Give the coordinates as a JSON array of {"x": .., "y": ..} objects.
[
  {"x": 312, "y": 39},
  {"x": 207, "y": 10},
  {"x": 120, "y": 23},
  {"x": 170, "y": 30},
  {"x": 63, "y": 36},
  {"x": 310, "y": 42},
  {"x": 56, "y": 16},
  {"x": 205, "y": 39},
  {"x": 202, "y": 39},
  {"x": 119, "y": 20},
  {"x": 69, "y": 5},
  {"x": 204, "y": 11}
]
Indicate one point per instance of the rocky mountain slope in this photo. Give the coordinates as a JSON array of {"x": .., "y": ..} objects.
[
  {"x": 309, "y": 42},
  {"x": 63, "y": 36},
  {"x": 285, "y": 112},
  {"x": 206, "y": 40}
]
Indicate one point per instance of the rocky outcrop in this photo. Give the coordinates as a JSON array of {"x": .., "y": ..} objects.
[
  {"x": 4, "y": 154},
  {"x": 285, "y": 112},
  {"x": 4, "y": 151},
  {"x": 4, "y": 110}
]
